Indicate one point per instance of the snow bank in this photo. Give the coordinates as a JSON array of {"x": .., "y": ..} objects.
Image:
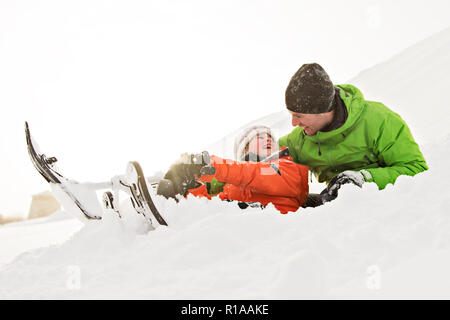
[
  {"x": 214, "y": 250},
  {"x": 29, "y": 235}
]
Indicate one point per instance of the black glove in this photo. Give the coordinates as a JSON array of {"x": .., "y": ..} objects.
[
  {"x": 331, "y": 191},
  {"x": 184, "y": 173}
]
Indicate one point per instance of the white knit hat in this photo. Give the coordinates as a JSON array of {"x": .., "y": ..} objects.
[{"x": 246, "y": 136}]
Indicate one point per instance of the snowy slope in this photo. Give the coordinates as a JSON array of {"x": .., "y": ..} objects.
[
  {"x": 366, "y": 244},
  {"x": 415, "y": 84},
  {"x": 37, "y": 233}
]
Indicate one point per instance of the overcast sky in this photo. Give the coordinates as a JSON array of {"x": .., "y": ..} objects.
[{"x": 106, "y": 82}]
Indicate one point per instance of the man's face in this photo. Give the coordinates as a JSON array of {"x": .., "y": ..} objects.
[
  {"x": 311, "y": 123},
  {"x": 263, "y": 145}
]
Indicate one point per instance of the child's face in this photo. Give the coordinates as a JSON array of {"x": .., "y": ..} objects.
[{"x": 262, "y": 145}]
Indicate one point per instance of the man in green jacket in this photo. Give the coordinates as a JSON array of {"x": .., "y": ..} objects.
[{"x": 343, "y": 138}]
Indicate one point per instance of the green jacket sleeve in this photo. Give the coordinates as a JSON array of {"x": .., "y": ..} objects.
[
  {"x": 282, "y": 142},
  {"x": 397, "y": 153}
]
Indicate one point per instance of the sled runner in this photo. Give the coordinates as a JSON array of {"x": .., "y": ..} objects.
[{"x": 82, "y": 198}]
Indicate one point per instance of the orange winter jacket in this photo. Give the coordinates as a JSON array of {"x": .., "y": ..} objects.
[{"x": 280, "y": 182}]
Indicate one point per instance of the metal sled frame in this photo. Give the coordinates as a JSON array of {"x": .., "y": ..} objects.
[{"x": 137, "y": 190}]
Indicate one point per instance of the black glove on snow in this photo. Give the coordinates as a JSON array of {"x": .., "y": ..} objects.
[{"x": 331, "y": 191}]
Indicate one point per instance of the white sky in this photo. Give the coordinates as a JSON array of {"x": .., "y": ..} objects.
[{"x": 105, "y": 82}]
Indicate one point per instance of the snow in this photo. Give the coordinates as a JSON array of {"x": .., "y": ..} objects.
[
  {"x": 366, "y": 244},
  {"x": 37, "y": 233},
  {"x": 214, "y": 250}
]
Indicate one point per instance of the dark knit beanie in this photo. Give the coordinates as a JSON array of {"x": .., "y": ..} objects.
[{"x": 310, "y": 90}]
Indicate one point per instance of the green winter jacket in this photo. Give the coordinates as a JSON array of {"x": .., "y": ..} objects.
[{"x": 373, "y": 138}]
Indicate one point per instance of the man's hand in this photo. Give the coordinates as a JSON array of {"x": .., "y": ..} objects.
[{"x": 331, "y": 191}]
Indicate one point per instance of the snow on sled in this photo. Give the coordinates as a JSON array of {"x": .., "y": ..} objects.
[{"x": 81, "y": 198}]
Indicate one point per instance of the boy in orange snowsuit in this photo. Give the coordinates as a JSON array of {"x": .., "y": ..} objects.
[{"x": 277, "y": 179}]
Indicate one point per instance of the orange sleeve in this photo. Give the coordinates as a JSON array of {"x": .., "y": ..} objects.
[
  {"x": 280, "y": 177},
  {"x": 201, "y": 191}
]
